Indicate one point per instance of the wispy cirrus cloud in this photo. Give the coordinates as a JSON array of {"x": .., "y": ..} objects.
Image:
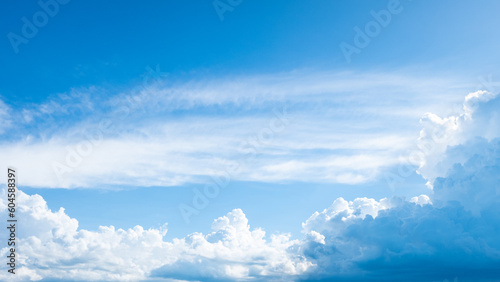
[{"x": 170, "y": 133}]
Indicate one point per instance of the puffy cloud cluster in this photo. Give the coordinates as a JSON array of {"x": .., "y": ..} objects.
[
  {"x": 478, "y": 118},
  {"x": 52, "y": 247},
  {"x": 233, "y": 252},
  {"x": 408, "y": 242},
  {"x": 475, "y": 183},
  {"x": 450, "y": 233}
]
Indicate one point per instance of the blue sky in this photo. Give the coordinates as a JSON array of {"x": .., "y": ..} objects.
[
  {"x": 125, "y": 113},
  {"x": 187, "y": 38}
]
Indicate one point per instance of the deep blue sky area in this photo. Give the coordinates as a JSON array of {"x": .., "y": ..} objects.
[{"x": 111, "y": 43}]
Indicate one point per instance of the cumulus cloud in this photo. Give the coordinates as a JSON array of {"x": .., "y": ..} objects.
[
  {"x": 54, "y": 248},
  {"x": 479, "y": 117},
  {"x": 421, "y": 200},
  {"x": 474, "y": 183},
  {"x": 449, "y": 233},
  {"x": 408, "y": 242}
]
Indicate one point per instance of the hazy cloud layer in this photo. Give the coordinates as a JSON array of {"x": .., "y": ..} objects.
[{"x": 309, "y": 126}]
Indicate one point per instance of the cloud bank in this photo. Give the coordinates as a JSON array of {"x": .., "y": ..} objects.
[
  {"x": 53, "y": 248},
  {"x": 450, "y": 233}
]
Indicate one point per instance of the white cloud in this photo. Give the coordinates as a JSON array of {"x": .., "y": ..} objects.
[
  {"x": 451, "y": 233},
  {"x": 479, "y": 118},
  {"x": 143, "y": 137},
  {"x": 343, "y": 212},
  {"x": 421, "y": 200},
  {"x": 54, "y": 248}
]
